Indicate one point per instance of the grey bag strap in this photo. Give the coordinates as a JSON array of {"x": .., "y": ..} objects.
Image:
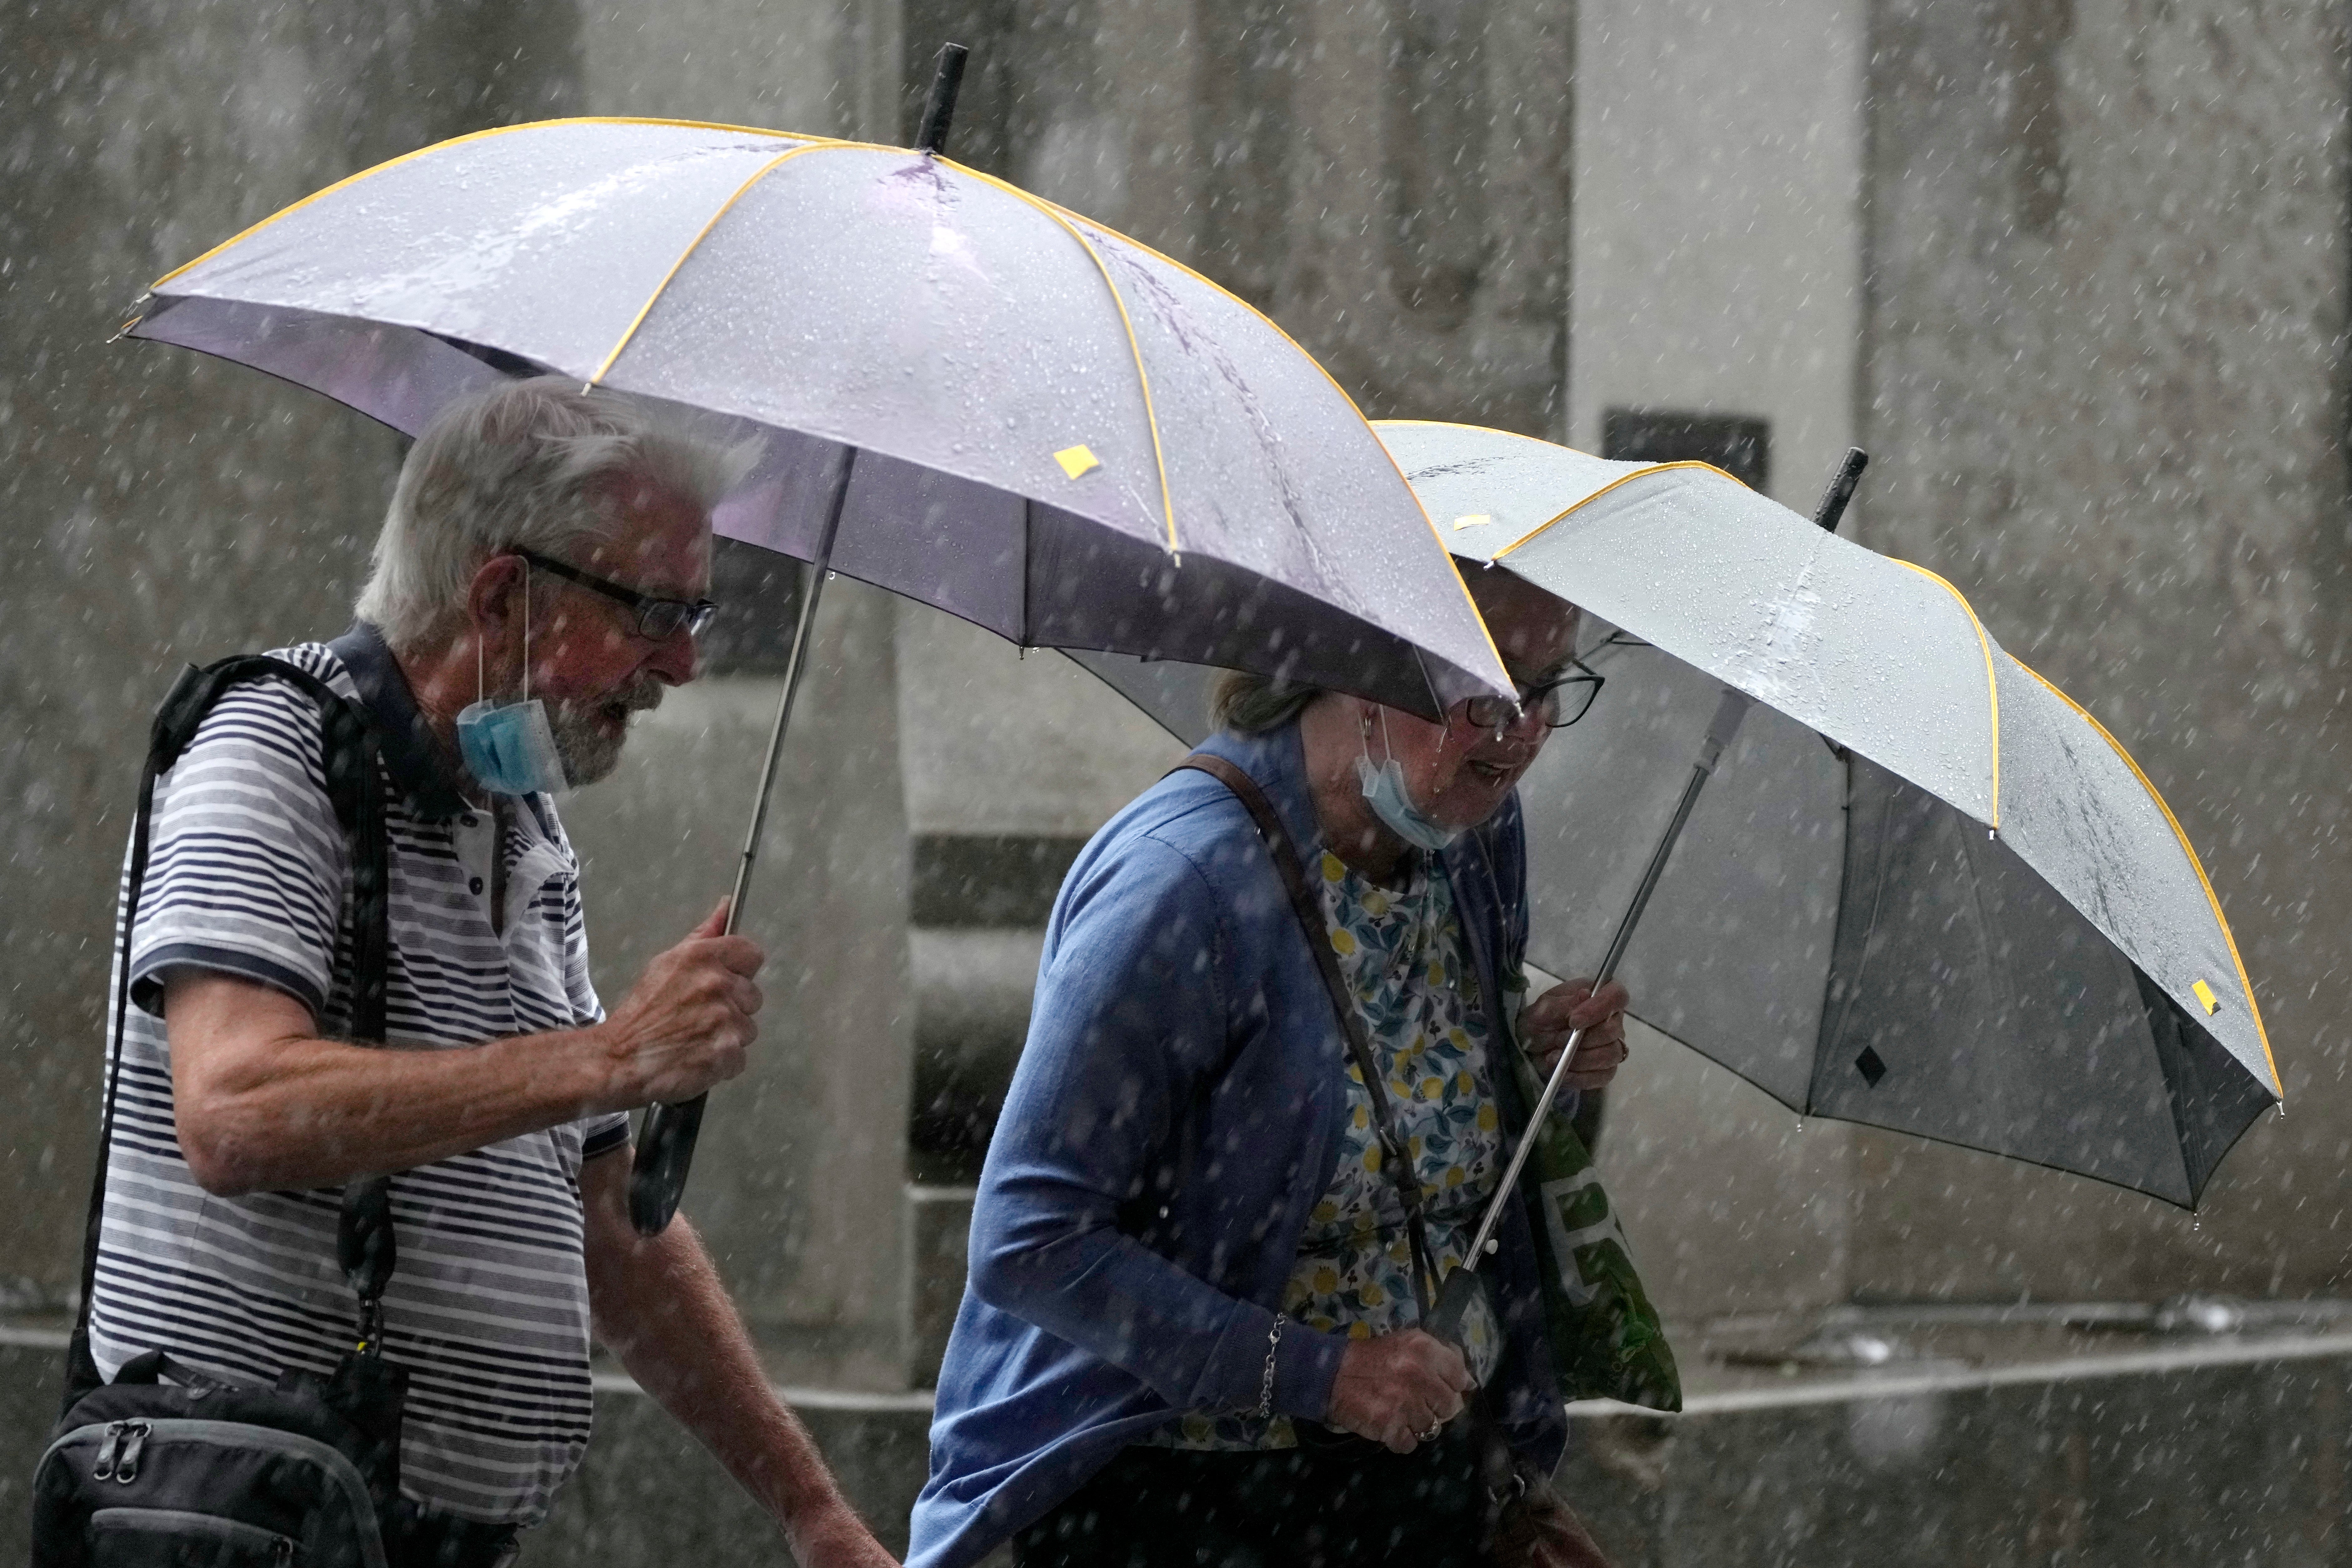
[{"x": 1396, "y": 1155}]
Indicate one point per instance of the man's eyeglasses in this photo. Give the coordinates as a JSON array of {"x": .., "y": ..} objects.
[
  {"x": 657, "y": 619},
  {"x": 1557, "y": 703}
]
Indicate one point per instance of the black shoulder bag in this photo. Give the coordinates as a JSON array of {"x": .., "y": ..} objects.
[
  {"x": 166, "y": 1465},
  {"x": 1526, "y": 1525}
]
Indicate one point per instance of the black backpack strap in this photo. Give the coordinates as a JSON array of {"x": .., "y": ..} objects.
[
  {"x": 1396, "y": 1153},
  {"x": 350, "y": 753}
]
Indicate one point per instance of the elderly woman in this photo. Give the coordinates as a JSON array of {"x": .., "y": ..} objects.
[{"x": 1190, "y": 1331}]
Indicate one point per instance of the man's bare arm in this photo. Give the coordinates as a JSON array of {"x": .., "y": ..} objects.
[
  {"x": 262, "y": 1103},
  {"x": 659, "y": 1306}
]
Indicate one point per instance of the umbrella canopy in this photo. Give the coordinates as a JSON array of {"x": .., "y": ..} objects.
[
  {"x": 1058, "y": 432},
  {"x": 1925, "y": 890},
  {"x": 963, "y": 393}
]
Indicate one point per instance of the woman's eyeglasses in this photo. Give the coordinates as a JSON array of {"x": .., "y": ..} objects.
[
  {"x": 657, "y": 619},
  {"x": 1557, "y": 703}
]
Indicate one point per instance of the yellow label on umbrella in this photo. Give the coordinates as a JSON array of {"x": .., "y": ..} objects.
[
  {"x": 1475, "y": 520},
  {"x": 2205, "y": 994},
  {"x": 1076, "y": 461}
]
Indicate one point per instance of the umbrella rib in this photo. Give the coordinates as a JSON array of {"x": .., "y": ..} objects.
[
  {"x": 1993, "y": 681},
  {"x": 764, "y": 170},
  {"x": 1823, "y": 1037},
  {"x": 1276, "y": 327},
  {"x": 1134, "y": 349},
  {"x": 1278, "y": 330},
  {"x": 1642, "y": 473},
  {"x": 290, "y": 209},
  {"x": 2245, "y": 984}
]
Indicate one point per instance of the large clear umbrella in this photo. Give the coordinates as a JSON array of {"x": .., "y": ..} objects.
[
  {"x": 1922, "y": 889},
  {"x": 966, "y": 395}
]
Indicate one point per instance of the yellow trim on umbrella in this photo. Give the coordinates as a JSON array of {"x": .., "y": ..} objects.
[
  {"x": 1488, "y": 430},
  {"x": 320, "y": 194},
  {"x": 1276, "y": 327},
  {"x": 659, "y": 288},
  {"x": 1058, "y": 213},
  {"x": 1134, "y": 349},
  {"x": 1984, "y": 644},
  {"x": 1992, "y": 680},
  {"x": 2245, "y": 984},
  {"x": 1642, "y": 473}
]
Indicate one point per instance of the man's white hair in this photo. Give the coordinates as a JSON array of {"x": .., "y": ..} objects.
[{"x": 531, "y": 463}]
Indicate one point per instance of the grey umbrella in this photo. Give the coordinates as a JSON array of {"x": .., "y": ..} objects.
[
  {"x": 964, "y": 393},
  {"x": 1923, "y": 889}
]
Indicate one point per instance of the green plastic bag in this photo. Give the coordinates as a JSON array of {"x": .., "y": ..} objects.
[{"x": 1605, "y": 1337}]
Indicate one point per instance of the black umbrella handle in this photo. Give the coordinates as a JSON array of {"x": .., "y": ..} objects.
[
  {"x": 665, "y": 1154},
  {"x": 665, "y": 1142}
]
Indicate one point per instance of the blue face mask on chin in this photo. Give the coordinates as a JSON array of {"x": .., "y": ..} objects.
[
  {"x": 509, "y": 747},
  {"x": 1384, "y": 791}
]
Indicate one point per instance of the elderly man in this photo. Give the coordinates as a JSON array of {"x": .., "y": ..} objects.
[{"x": 543, "y": 543}]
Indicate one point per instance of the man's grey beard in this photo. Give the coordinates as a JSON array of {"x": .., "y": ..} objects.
[{"x": 586, "y": 752}]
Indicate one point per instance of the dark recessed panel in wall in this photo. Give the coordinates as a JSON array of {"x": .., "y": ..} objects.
[{"x": 988, "y": 879}]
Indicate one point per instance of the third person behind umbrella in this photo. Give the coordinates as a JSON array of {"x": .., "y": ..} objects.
[{"x": 1190, "y": 1330}]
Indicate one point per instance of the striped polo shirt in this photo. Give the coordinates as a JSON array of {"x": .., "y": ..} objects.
[{"x": 249, "y": 875}]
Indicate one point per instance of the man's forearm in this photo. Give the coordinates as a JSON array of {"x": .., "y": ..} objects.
[
  {"x": 660, "y": 1307},
  {"x": 289, "y": 1110}
]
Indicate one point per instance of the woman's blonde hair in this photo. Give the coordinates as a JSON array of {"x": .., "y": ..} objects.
[{"x": 1250, "y": 704}]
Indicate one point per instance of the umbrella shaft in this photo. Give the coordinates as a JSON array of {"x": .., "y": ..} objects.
[
  {"x": 804, "y": 634},
  {"x": 1727, "y": 715},
  {"x": 665, "y": 1142}
]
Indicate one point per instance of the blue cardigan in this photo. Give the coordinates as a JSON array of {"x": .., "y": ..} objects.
[{"x": 1175, "y": 1114}]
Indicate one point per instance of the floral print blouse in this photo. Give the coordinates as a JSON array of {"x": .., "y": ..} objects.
[{"x": 1402, "y": 954}]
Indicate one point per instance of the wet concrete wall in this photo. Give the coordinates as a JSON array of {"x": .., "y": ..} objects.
[
  {"x": 1389, "y": 181},
  {"x": 1718, "y": 186},
  {"x": 2103, "y": 372},
  {"x": 165, "y": 508}
]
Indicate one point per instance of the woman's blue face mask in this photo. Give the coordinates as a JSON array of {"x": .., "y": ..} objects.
[
  {"x": 1385, "y": 793},
  {"x": 509, "y": 747}
]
